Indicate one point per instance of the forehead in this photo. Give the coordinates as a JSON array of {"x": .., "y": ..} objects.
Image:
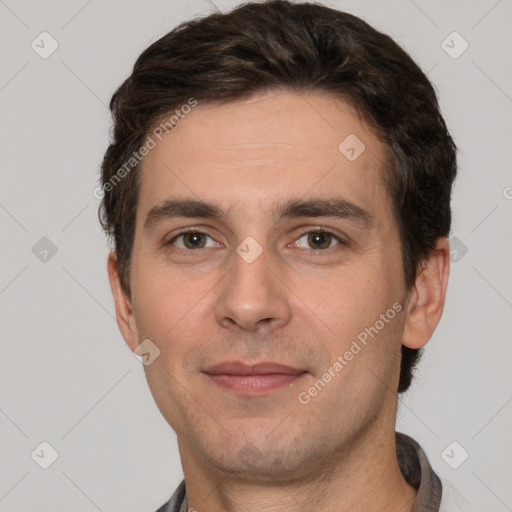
[{"x": 262, "y": 150}]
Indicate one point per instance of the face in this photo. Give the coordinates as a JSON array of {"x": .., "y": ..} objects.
[{"x": 267, "y": 270}]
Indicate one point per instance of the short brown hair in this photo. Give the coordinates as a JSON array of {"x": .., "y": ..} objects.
[{"x": 300, "y": 47}]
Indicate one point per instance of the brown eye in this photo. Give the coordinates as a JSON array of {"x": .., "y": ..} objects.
[
  {"x": 192, "y": 240},
  {"x": 318, "y": 240}
]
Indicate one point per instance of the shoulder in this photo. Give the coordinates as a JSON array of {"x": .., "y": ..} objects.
[{"x": 176, "y": 501}]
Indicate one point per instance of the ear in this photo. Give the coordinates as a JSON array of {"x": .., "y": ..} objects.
[
  {"x": 426, "y": 301},
  {"x": 124, "y": 310}
]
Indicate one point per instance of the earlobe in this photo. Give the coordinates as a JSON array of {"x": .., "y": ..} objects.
[
  {"x": 124, "y": 310},
  {"x": 427, "y": 298}
]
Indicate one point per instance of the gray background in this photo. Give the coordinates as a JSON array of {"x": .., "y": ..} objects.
[{"x": 67, "y": 376}]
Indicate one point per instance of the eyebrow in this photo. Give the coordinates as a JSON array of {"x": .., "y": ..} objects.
[{"x": 336, "y": 207}]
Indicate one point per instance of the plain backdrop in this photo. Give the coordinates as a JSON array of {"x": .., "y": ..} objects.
[{"x": 67, "y": 377}]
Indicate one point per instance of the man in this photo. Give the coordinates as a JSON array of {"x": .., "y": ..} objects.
[{"x": 278, "y": 193}]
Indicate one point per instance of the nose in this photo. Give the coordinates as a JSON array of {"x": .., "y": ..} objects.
[{"x": 253, "y": 296}]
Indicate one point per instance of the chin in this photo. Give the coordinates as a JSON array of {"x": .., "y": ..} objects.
[{"x": 260, "y": 459}]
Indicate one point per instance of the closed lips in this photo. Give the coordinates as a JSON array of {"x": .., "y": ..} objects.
[{"x": 266, "y": 368}]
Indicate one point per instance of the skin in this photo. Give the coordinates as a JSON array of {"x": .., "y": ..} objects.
[{"x": 300, "y": 303}]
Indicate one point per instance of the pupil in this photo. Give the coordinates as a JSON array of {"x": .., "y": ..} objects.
[
  {"x": 321, "y": 239},
  {"x": 193, "y": 240}
]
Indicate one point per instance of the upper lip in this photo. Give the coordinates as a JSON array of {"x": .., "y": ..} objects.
[{"x": 239, "y": 368}]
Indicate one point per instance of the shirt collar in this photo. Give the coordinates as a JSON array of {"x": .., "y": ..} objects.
[{"x": 418, "y": 472}]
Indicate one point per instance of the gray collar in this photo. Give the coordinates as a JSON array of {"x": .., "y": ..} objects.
[{"x": 418, "y": 472}]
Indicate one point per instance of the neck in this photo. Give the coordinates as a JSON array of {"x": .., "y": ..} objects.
[{"x": 364, "y": 476}]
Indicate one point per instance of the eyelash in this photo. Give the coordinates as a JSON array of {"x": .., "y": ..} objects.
[{"x": 305, "y": 232}]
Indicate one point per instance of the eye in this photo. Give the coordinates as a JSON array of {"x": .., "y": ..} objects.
[
  {"x": 318, "y": 240},
  {"x": 192, "y": 240}
]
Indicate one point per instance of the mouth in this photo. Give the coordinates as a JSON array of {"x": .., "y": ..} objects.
[{"x": 253, "y": 379}]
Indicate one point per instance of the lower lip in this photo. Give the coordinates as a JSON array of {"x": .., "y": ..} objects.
[{"x": 255, "y": 384}]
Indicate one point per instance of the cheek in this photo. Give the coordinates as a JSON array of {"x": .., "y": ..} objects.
[
  {"x": 165, "y": 301},
  {"x": 358, "y": 310},
  {"x": 347, "y": 300}
]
